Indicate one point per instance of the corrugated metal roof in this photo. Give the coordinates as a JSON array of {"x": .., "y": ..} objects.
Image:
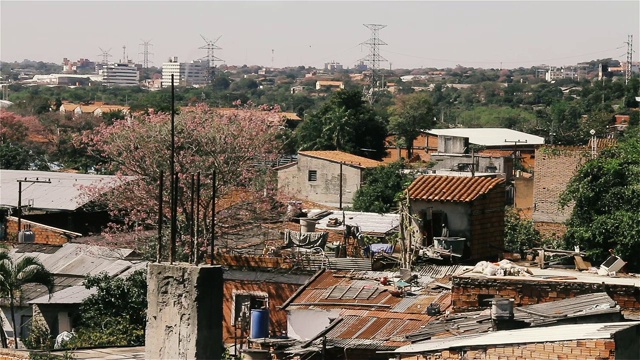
[
  {"x": 70, "y": 295},
  {"x": 451, "y": 188},
  {"x": 63, "y": 193},
  {"x": 343, "y": 157},
  {"x": 521, "y": 336},
  {"x": 491, "y": 136}
]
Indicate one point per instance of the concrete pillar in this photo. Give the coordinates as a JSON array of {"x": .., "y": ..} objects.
[{"x": 184, "y": 312}]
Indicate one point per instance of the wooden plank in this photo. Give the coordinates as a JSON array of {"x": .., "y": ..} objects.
[{"x": 580, "y": 264}]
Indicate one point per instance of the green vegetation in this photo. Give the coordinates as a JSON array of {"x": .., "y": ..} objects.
[
  {"x": 379, "y": 193},
  {"x": 115, "y": 315},
  {"x": 606, "y": 194},
  {"x": 13, "y": 276},
  {"x": 519, "y": 234}
]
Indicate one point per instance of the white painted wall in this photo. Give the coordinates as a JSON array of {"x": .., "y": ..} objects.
[{"x": 305, "y": 324}]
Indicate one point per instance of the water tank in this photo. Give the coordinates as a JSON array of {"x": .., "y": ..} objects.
[
  {"x": 259, "y": 323},
  {"x": 26, "y": 236},
  {"x": 502, "y": 309},
  {"x": 307, "y": 225}
]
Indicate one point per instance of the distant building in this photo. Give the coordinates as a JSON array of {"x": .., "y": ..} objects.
[
  {"x": 329, "y": 84},
  {"x": 81, "y": 66},
  {"x": 120, "y": 74},
  {"x": 333, "y": 66},
  {"x": 194, "y": 73}
]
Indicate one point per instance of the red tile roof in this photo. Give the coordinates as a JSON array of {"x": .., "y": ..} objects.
[
  {"x": 451, "y": 188},
  {"x": 343, "y": 157}
]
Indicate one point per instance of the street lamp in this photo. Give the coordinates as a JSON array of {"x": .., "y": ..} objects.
[{"x": 593, "y": 143}]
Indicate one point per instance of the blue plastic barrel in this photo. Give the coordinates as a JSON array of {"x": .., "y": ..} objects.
[{"x": 259, "y": 323}]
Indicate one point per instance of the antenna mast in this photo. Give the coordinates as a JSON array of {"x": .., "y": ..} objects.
[
  {"x": 145, "y": 53},
  {"x": 211, "y": 47},
  {"x": 374, "y": 59}
]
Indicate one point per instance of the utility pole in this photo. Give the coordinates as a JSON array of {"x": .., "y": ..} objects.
[
  {"x": 374, "y": 58},
  {"x": 173, "y": 178},
  {"x": 627, "y": 70},
  {"x": 20, "y": 181},
  {"x": 145, "y": 53}
]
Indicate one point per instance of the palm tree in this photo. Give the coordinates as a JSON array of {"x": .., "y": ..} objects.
[{"x": 13, "y": 276}]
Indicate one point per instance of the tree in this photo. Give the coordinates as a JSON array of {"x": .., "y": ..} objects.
[
  {"x": 606, "y": 194},
  {"x": 346, "y": 123},
  {"x": 13, "y": 276},
  {"x": 380, "y": 189},
  {"x": 116, "y": 314},
  {"x": 240, "y": 145},
  {"x": 519, "y": 234},
  {"x": 411, "y": 114}
]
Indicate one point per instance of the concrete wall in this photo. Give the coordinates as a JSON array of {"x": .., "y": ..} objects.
[
  {"x": 453, "y": 144},
  {"x": 458, "y": 216},
  {"x": 184, "y": 313},
  {"x": 523, "y": 199},
  {"x": 294, "y": 181},
  {"x": 600, "y": 349},
  {"x": 443, "y": 161}
]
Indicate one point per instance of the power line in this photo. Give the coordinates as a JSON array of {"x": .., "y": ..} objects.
[
  {"x": 211, "y": 58},
  {"x": 498, "y": 61},
  {"x": 105, "y": 56},
  {"x": 374, "y": 58},
  {"x": 145, "y": 53}
]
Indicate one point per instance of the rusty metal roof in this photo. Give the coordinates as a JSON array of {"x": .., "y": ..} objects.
[
  {"x": 342, "y": 157},
  {"x": 451, "y": 188}
]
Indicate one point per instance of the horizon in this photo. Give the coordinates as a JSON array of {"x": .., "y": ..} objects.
[{"x": 286, "y": 34}]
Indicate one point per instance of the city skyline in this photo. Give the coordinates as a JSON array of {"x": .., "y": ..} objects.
[{"x": 419, "y": 34}]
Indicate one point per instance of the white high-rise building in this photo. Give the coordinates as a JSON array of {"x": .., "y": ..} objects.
[
  {"x": 120, "y": 74},
  {"x": 194, "y": 73}
]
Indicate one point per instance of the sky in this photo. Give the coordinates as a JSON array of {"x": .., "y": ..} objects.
[{"x": 507, "y": 34}]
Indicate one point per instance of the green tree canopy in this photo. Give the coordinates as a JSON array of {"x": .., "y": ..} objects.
[
  {"x": 379, "y": 191},
  {"x": 410, "y": 115},
  {"x": 346, "y": 123},
  {"x": 13, "y": 276},
  {"x": 606, "y": 194},
  {"x": 116, "y": 314}
]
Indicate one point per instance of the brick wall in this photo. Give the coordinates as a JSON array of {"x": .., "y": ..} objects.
[
  {"x": 468, "y": 291},
  {"x": 524, "y": 196},
  {"x": 487, "y": 224},
  {"x": 44, "y": 234},
  {"x": 598, "y": 349},
  {"x": 9, "y": 354},
  {"x": 550, "y": 229},
  {"x": 555, "y": 166},
  {"x": 278, "y": 293}
]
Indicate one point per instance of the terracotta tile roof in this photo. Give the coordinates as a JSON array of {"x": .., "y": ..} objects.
[
  {"x": 340, "y": 156},
  {"x": 69, "y": 106},
  {"x": 290, "y": 116},
  {"x": 451, "y": 188}
]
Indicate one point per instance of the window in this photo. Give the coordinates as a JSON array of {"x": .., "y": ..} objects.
[
  {"x": 247, "y": 301},
  {"x": 313, "y": 175}
]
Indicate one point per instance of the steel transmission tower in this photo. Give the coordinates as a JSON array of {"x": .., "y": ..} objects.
[
  {"x": 374, "y": 59},
  {"x": 211, "y": 47},
  {"x": 105, "y": 56},
  {"x": 627, "y": 70},
  {"x": 145, "y": 53}
]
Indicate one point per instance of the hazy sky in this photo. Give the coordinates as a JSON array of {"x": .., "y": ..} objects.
[{"x": 418, "y": 33}]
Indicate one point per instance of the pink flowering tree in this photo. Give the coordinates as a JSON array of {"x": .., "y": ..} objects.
[{"x": 240, "y": 144}]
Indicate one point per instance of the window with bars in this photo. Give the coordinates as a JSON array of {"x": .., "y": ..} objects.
[{"x": 313, "y": 175}]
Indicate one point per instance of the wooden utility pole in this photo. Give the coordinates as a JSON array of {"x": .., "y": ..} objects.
[{"x": 20, "y": 181}]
